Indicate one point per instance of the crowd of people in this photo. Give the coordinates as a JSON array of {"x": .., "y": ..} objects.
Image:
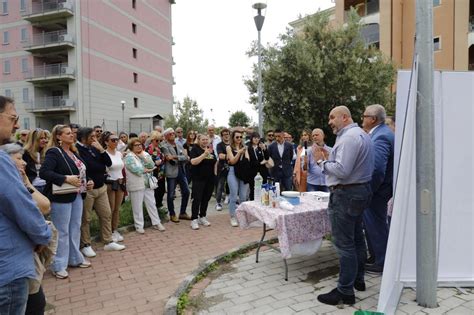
[{"x": 71, "y": 171}]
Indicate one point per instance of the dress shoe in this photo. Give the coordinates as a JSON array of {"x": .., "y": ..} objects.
[
  {"x": 374, "y": 269},
  {"x": 335, "y": 297},
  {"x": 174, "y": 219},
  {"x": 359, "y": 286},
  {"x": 184, "y": 216}
]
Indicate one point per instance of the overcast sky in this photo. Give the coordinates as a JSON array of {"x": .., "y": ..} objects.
[{"x": 211, "y": 39}]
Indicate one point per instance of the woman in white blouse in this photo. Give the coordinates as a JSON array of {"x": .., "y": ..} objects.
[{"x": 115, "y": 181}]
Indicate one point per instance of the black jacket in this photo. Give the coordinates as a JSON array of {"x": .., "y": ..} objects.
[
  {"x": 54, "y": 171},
  {"x": 95, "y": 164},
  {"x": 30, "y": 168},
  {"x": 257, "y": 156},
  {"x": 284, "y": 162}
]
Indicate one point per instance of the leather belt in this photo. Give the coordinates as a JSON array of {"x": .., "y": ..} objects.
[{"x": 340, "y": 186}]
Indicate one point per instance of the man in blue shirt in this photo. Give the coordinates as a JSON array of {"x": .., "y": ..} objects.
[
  {"x": 348, "y": 173},
  {"x": 22, "y": 226}
]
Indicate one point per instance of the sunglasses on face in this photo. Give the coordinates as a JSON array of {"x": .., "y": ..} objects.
[
  {"x": 114, "y": 139},
  {"x": 270, "y": 136},
  {"x": 238, "y": 137}
]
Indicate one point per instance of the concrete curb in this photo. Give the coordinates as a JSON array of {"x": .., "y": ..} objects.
[{"x": 171, "y": 307}]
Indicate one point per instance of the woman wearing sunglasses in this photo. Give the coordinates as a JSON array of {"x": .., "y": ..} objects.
[
  {"x": 238, "y": 158},
  {"x": 114, "y": 181}
]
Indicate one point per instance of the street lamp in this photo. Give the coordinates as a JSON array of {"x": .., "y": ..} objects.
[
  {"x": 123, "y": 115},
  {"x": 259, "y": 19}
]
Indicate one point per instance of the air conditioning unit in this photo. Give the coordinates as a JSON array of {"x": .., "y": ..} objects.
[
  {"x": 66, "y": 103},
  {"x": 65, "y": 38},
  {"x": 65, "y": 5},
  {"x": 67, "y": 70}
]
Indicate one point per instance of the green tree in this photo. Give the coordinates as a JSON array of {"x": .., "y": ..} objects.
[
  {"x": 188, "y": 116},
  {"x": 239, "y": 118},
  {"x": 311, "y": 71}
]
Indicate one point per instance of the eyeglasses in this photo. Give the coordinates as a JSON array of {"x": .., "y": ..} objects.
[
  {"x": 137, "y": 145},
  {"x": 238, "y": 137},
  {"x": 24, "y": 134},
  {"x": 270, "y": 135},
  {"x": 179, "y": 132},
  {"x": 366, "y": 116},
  {"x": 99, "y": 131},
  {"x": 114, "y": 139},
  {"x": 13, "y": 118}
]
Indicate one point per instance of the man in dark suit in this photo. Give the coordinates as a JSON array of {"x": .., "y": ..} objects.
[
  {"x": 375, "y": 217},
  {"x": 282, "y": 154}
]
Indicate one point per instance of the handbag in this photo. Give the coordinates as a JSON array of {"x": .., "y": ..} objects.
[
  {"x": 152, "y": 182},
  {"x": 242, "y": 170},
  {"x": 65, "y": 188},
  {"x": 269, "y": 163}
]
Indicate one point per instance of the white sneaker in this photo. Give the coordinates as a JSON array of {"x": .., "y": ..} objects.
[
  {"x": 113, "y": 246},
  {"x": 61, "y": 274},
  {"x": 88, "y": 251},
  {"x": 117, "y": 237},
  {"x": 84, "y": 264},
  {"x": 140, "y": 231},
  {"x": 218, "y": 207},
  {"x": 233, "y": 222},
  {"x": 159, "y": 227},
  {"x": 194, "y": 224},
  {"x": 226, "y": 200},
  {"x": 203, "y": 221}
]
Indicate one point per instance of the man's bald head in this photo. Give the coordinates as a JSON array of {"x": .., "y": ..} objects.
[
  {"x": 339, "y": 117},
  {"x": 341, "y": 110}
]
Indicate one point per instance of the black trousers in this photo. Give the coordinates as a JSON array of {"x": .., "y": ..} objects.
[
  {"x": 36, "y": 303},
  {"x": 160, "y": 192},
  {"x": 202, "y": 192}
]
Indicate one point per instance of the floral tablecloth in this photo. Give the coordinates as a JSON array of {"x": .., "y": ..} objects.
[{"x": 307, "y": 223}]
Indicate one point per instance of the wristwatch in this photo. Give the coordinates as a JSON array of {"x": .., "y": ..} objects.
[{"x": 30, "y": 190}]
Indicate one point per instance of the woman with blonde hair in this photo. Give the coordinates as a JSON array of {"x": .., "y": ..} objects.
[
  {"x": 62, "y": 165},
  {"x": 35, "y": 149},
  {"x": 300, "y": 172}
]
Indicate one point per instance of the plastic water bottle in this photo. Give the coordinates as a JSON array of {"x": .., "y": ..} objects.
[{"x": 258, "y": 187}]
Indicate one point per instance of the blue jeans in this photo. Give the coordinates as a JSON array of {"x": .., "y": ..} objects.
[
  {"x": 66, "y": 218},
  {"x": 345, "y": 209},
  {"x": 13, "y": 297},
  {"x": 237, "y": 187},
  {"x": 171, "y": 185},
  {"x": 311, "y": 187}
]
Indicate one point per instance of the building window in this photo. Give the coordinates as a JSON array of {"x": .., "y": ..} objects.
[
  {"x": 134, "y": 4},
  {"x": 4, "y": 7},
  {"x": 135, "y": 77},
  {"x": 436, "y": 44},
  {"x": 8, "y": 93},
  {"x": 436, "y": 3},
  {"x": 6, "y": 66},
  {"x": 22, "y": 5},
  {"x": 135, "y": 102},
  {"x": 23, "y": 34},
  {"x": 26, "y": 95},
  {"x": 134, "y": 52},
  {"x": 6, "y": 38},
  {"x": 24, "y": 65},
  {"x": 134, "y": 28},
  {"x": 26, "y": 123}
]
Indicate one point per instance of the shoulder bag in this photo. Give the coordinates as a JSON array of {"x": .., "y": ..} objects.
[{"x": 65, "y": 188}]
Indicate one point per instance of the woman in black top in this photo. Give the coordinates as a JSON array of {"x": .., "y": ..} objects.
[
  {"x": 62, "y": 164},
  {"x": 259, "y": 157},
  {"x": 188, "y": 146},
  {"x": 203, "y": 174}
]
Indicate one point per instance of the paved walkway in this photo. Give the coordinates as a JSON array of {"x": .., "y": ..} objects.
[
  {"x": 140, "y": 279},
  {"x": 250, "y": 288}
]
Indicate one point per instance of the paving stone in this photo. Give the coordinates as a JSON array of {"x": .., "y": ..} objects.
[
  {"x": 302, "y": 306},
  {"x": 221, "y": 306},
  {"x": 261, "y": 310},
  {"x": 283, "y": 303},
  {"x": 305, "y": 297},
  {"x": 461, "y": 310},
  {"x": 323, "y": 309},
  {"x": 263, "y": 301},
  {"x": 284, "y": 311},
  {"x": 233, "y": 288},
  {"x": 246, "y": 291},
  {"x": 452, "y": 302},
  {"x": 239, "y": 308}
]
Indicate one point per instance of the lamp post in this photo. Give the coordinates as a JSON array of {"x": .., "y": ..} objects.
[
  {"x": 259, "y": 19},
  {"x": 123, "y": 115}
]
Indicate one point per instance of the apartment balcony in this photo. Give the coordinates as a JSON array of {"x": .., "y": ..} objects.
[
  {"x": 51, "y": 73},
  {"x": 41, "y": 11},
  {"x": 368, "y": 10},
  {"x": 51, "y": 104},
  {"x": 49, "y": 42}
]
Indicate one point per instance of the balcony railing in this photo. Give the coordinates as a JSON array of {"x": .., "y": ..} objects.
[
  {"x": 51, "y": 103},
  {"x": 46, "y": 7},
  {"x": 471, "y": 24},
  {"x": 51, "y": 70},
  {"x": 43, "y": 39}
]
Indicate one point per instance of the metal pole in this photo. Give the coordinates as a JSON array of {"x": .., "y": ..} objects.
[
  {"x": 260, "y": 109},
  {"x": 426, "y": 255}
]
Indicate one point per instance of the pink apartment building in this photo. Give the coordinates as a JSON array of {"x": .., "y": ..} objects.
[{"x": 92, "y": 62}]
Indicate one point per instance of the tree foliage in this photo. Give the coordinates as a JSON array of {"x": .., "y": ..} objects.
[
  {"x": 188, "y": 116},
  {"x": 239, "y": 118},
  {"x": 320, "y": 67}
]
